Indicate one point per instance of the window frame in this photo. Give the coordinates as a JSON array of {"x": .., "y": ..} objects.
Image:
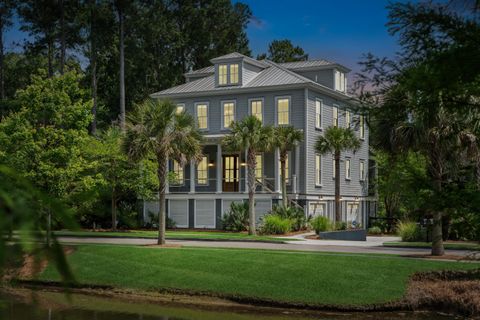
[
  {"x": 348, "y": 170},
  {"x": 288, "y": 164},
  {"x": 362, "y": 172},
  {"x": 262, "y": 99},
  {"x": 335, "y": 117},
  {"x": 180, "y": 105},
  {"x": 222, "y": 104},
  {"x": 182, "y": 181},
  {"x": 206, "y": 170},
  {"x": 348, "y": 123},
  {"x": 230, "y": 73},
  {"x": 289, "y": 98},
  {"x": 207, "y": 104},
  {"x": 361, "y": 127},
  {"x": 227, "y": 67},
  {"x": 318, "y": 170},
  {"x": 319, "y": 122},
  {"x": 260, "y": 154}
]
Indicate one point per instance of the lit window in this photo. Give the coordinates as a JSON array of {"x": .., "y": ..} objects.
[
  {"x": 180, "y": 108},
  {"x": 362, "y": 127},
  {"x": 178, "y": 171},
  {"x": 222, "y": 74},
  {"x": 202, "y": 171},
  {"x": 283, "y": 106},
  {"x": 228, "y": 114},
  {"x": 335, "y": 116},
  {"x": 256, "y": 107},
  {"x": 362, "y": 170},
  {"x": 347, "y": 119},
  {"x": 318, "y": 170},
  {"x": 347, "y": 169},
  {"x": 318, "y": 113},
  {"x": 234, "y": 73},
  {"x": 259, "y": 167},
  {"x": 202, "y": 116}
]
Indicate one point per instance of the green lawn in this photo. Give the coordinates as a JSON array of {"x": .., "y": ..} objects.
[
  {"x": 201, "y": 235},
  {"x": 316, "y": 278},
  {"x": 448, "y": 245}
]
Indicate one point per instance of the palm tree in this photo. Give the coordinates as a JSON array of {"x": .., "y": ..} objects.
[
  {"x": 286, "y": 138},
  {"x": 335, "y": 141},
  {"x": 154, "y": 128},
  {"x": 250, "y": 135}
]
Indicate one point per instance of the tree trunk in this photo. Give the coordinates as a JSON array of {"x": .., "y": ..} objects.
[
  {"x": 252, "y": 164},
  {"x": 114, "y": 211},
  {"x": 437, "y": 238},
  {"x": 93, "y": 64},
  {"x": 283, "y": 178},
  {"x": 162, "y": 177},
  {"x": 122, "y": 69},
  {"x": 62, "y": 36},
  {"x": 338, "y": 213}
]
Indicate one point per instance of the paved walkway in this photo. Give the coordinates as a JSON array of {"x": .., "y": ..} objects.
[{"x": 318, "y": 246}]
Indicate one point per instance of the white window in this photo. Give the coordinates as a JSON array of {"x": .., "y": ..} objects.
[
  {"x": 202, "y": 171},
  {"x": 287, "y": 168},
  {"x": 362, "y": 170},
  {"x": 334, "y": 171},
  {"x": 318, "y": 114},
  {"x": 317, "y": 209},
  {"x": 283, "y": 111},
  {"x": 180, "y": 108},
  {"x": 178, "y": 171},
  {"x": 347, "y": 169},
  {"x": 256, "y": 108},
  {"x": 202, "y": 115},
  {"x": 340, "y": 81},
  {"x": 234, "y": 73},
  {"x": 335, "y": 116},
  {"x": 228, "y": 110},
  {"x": 259, "y": 167},
  {"x": 362, "y": 127},
  {"x": 318, "y": 170},
  {"x": 347, "y": 119},
  {"x": 222, "y": 74}
]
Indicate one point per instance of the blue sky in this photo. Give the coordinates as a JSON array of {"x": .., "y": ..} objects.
[{"x": 334, "y": 30}]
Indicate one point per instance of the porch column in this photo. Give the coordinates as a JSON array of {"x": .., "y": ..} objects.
[
  {"x": 219, "y": 168},
  {"x": 192, "y": 176},
  {"x": 297, "y": 169},
  {"x": 276, "y": 167},
  {"x": 167, "y": 186},
  {"x": 246, "y": 169}
]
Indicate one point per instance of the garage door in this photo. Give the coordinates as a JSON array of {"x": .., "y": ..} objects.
[
  {"x": 205, "y": 214},
  {"x": 262, "y": 207},
  {"x": 178, "y": 212}
]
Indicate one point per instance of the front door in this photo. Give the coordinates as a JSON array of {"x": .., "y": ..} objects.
[{"x": 230, "y": 173}]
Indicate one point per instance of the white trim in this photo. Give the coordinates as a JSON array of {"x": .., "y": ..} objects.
[
  {"x": 362, "y": 161},
  {"x": 263, "y": 107},
  {"x": 289, "y": 110},
  {"x": 335, "y": 107},
  {"x": 208, "y": 175},
  {"x": 214, "y": 214},
  {"x": 321, "y": 113},
  {"x": 223, "y": 112},
  {"x": 348, "y": 173},
  {"x": 316, "y": 170},
  {"x": 176, "y": 185},
  {"x": 306, "y": 149},
  {"x": 196, "y": 104}
]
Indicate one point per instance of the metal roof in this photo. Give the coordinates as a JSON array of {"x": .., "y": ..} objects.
[
  {"x": 312, "y": 64},
  {"x": 206, "y": 70}
]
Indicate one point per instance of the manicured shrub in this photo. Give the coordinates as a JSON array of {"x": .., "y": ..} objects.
[
  {"x": 296, "y": 214},
  {"x": 375, "y": 230},
  {"x": 321, "y": 224},
  {"x": 409, "y": 231},
  {"x": 237, "y": 218},
  {"x": 340, "y": 225},
  {"x": 275, "y": 224}
]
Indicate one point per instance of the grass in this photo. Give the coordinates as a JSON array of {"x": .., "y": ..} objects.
[
  {"x": 302, "y": 277},
  {"x": 447, "y": 245},
  {"x": 184, "y": 234}
]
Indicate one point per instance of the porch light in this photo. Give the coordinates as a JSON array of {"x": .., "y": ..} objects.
[
  {"x": 211, "y": 163},
  {"x": 243, "y": 164}
]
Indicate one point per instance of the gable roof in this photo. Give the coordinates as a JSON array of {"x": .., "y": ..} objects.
[
  {"x": 312, "y": 64},
  {"x": 202, "y": 71},
  {"x": 236, "y": 55}
]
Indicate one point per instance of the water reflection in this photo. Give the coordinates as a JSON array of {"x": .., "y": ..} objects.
[{"x": 29, "y": 305}]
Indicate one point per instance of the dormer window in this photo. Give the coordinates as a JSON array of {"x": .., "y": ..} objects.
[
  {"x": 340, "y": 81},
  {"x": 228, "y": 74}
]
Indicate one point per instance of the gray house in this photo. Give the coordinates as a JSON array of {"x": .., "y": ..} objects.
[{"x": 310, "y": 95}]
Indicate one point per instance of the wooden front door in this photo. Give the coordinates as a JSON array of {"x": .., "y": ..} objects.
[{"x": 230, "y": 173}]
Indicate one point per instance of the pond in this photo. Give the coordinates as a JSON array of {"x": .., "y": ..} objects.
[{"x": 46, "y": 305}]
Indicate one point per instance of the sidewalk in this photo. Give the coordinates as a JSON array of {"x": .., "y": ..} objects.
[{"x": 371, "y": 241}]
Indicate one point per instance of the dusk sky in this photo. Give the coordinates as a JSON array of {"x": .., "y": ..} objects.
[{"x": 340, "y": 31}]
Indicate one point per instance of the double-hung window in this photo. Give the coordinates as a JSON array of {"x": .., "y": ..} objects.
[
  {"x": 347, "y": 169},
  {"x": 228, "y": 74},
  {"x": 318, "y": 170},
  {"x": 318, "y": 114},
  {"x": 259, "y": 167},
  {"x": 256, "y": 108},
  {"x": 335, "y": 116},
  {"x": 178, "y": 171},
  {"x": 283, "y": 111},
  {"x": 348, "y": 119},
  {"x": 362, "y": 170},
  {"x": 228, "y": 110},
  {"x": 362, "y": 127},
  {"x": 287, "y": 168},
  {"x": 202, "y": 116},
  {"x": 222, "y": 74},
  {"x": 202, "y": 171},
  {"x": 234, "y": 73}
]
